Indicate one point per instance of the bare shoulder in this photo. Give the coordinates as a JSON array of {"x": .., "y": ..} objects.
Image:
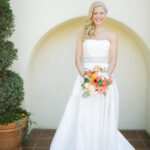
[{"x": 112, "y": 35}]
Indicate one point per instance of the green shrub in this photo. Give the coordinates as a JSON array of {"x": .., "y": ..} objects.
[
  {"x": 11, "y": 84},
  {"x": 7, "y": 54},
  {"x": 6, "y": 20},
  {"x": 11, "y": 91}
]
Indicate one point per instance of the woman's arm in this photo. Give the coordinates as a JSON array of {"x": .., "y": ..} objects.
[
  {"x": 113, "y": 53},
  {"x": 79, "y": 54}
]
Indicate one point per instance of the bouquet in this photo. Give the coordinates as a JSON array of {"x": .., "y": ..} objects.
[{"x": 96, "y": 81}]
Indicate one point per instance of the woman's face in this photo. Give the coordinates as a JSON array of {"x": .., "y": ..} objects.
[{"x": 99, "y": 15}]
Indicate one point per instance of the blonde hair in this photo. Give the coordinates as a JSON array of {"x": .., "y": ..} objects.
[{"x": 89, "y": 29}]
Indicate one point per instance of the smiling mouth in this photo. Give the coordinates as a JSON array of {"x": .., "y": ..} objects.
[{"x": 98, "y": 20}]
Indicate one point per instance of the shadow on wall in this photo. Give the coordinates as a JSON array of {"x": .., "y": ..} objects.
[{"x": 52, "y": 67}]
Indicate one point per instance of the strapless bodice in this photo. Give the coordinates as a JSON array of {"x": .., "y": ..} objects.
[
  {"x": 98, "y": 48},
  {"x": 96, "y": 52}
]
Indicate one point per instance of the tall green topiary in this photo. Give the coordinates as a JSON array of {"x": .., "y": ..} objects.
[{"x": 11, "y": 84}]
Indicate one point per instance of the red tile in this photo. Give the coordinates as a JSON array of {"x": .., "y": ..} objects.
[
  {"x": 41, "y": 148},
  {"x": 147, "y": 142},
  {"x": 143, "y": 134},
  {"x": 47, "y": 134},
  {"x": 35, "y": 133},
  {"x": 30, "y": 143},
  {"x": 27, "y": 148},
  {"x": 130, "y": 134},
  {"x": 40, "y": 139},
  {"x": 43, "y": 143},
  {"x": 137, "y": 144}
]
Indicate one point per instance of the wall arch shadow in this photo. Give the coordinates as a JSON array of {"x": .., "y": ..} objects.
[{"x": 127, "y": 37}]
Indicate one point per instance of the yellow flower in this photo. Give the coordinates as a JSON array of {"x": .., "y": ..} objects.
[
  {"x": 94, "y": 76},
  {"x": 23, "y": 114},
  {"x": 100, "y": 68},
  {"x": 87, "y": 89}
]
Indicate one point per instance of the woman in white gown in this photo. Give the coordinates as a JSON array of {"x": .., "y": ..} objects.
[{"x": 92, "y": 123}]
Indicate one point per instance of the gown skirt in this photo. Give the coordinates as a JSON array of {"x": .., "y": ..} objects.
[{"x": 90, "y": 123}]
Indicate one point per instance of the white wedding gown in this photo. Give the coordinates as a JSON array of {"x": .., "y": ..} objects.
[{"x": 91, "y": 123}]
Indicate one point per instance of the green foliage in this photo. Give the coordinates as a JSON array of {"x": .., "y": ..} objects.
[
  {"x": 10, "y": 116},
  {"x": 11, "y": 91},
  {"x": 7, "y": 54},
  {"x": 108, "y": 82},
  {"x": 6, "y": 20},
  {"x": 11, "y": 84},
  {"x": 15, "y": 116},
  {"x": 26, "y": 129},
  {"x": 100, "y": 83},
  {"x": 86, "y": 80}
]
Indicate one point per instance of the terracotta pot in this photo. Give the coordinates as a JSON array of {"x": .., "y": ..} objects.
[{"x": 9, "y": 137}]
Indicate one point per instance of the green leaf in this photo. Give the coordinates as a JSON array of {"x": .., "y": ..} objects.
[
  {"x": 86, "y": 80},
  {"x": 100, "y": 83}
]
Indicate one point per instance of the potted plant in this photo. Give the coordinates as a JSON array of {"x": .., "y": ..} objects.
[{"x": 15, "y": 121}]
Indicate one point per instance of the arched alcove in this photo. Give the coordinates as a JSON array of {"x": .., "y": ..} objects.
[{"x": 53, "y": 72}]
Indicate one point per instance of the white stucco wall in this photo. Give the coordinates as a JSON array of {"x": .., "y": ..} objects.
[{"x": 34, "y": 18}]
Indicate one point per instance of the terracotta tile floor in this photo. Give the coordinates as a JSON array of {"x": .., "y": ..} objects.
[{"x": 40, "y": 139}]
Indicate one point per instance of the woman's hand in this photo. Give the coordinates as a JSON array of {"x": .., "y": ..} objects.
[
  {"x": 108, "y": 74},
  {"x": 82, "y": 74}
]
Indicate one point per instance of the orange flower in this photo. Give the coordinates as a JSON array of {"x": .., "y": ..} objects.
[
  {"x": 94, "y": 80},
  {"x": 96, "y": 85},
  {"x": 89, "y": 73},
  {"x": 105, "y": 89},
  {"x": 100, "y": 89},
  {"x": 105, "y": 83},
  {"x": 90, "y": 82},
  {"x": 87, "y": 89}
]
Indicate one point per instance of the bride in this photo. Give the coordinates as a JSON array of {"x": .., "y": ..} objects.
[{"x": 91, "y": 123}]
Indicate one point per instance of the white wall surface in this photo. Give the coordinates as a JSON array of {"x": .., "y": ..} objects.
[
  {"x": 34, "y": 18},
  {"x": 55, "y": 56}
]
